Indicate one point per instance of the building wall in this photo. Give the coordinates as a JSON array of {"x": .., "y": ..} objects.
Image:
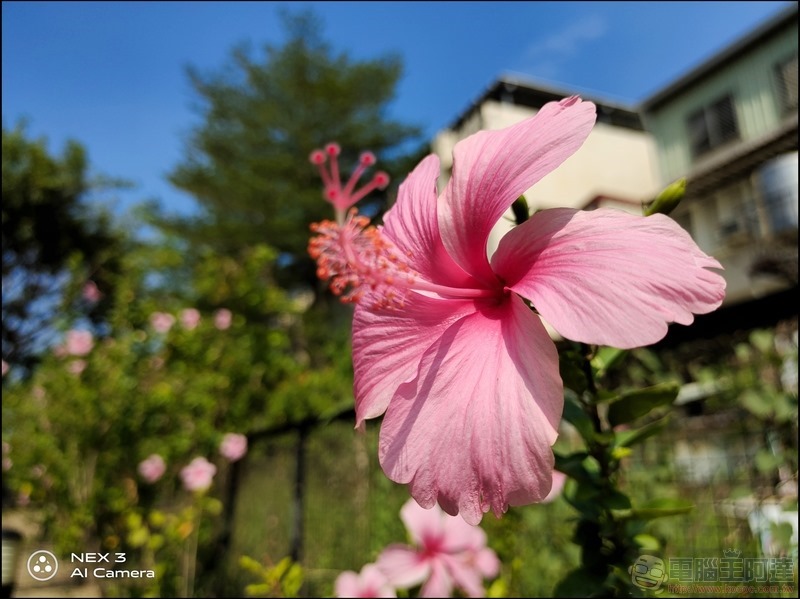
[
  {"x": 614, "y": 161},
  {"x": 736, "y": 222},
  {"x": 750, "y": 79}
]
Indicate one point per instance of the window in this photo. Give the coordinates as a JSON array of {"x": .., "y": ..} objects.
[
  {"x": 712, "y": 126},
  {"x": 786, "y": 83}
]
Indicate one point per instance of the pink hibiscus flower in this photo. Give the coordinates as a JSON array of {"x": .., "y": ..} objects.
[
  {"x": 79, "y": 343},
  {"x": 190, "y": 318},
  {"x": 448, "y": 553},
  {"x": 443, "y": 342},
  {"x": 161, "y": 321},
  {"x": 198, "y": 475},
  {"x": 152, "y": 468},
  {"x": 233, "y": 446},
  {"x": 91, "y": 293},
  {"x": 223, "y": 319},
  {"x": 370, "y": 582}
]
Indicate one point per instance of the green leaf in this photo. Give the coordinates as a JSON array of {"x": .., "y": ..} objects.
[
  {"x": 579, "y": 466},
  {"x": 571, "y": 372},
  {"x": 631, "y": 437},
  {"x": 766, "y": 461},
  {"x": 635, "y": 404},
  {"x": 577, "y": 417},
  {"x": 763, "y": 340},
  {"x": 757, "y": 403},
  {"x": 606, "y": 358},
  {"x": 659, "y": 508},
  {"x": 615, "y": 500},
  {"x": 647, "y": 542}
]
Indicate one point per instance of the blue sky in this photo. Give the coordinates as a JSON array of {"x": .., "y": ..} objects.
[{"x": 111, "y": 75}]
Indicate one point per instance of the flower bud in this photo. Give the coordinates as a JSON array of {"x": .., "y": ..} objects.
[{"x": 668, "y": 199}]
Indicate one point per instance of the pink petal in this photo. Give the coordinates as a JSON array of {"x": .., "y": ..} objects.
[
  {"x": 375, "y": 581},
  {"x": 371, "y": 582},
  {"x": 559, "y": 480},
  {"x": 388, "y": 346},
  {"x": 439, "y": 584},
  {"x": 464, "y": 574},
  {"x": 347, "y": 584},
  {"x": 423, "y": 524},
  {"x": 491, "y": 169},
  {"x": 474, "y": 429},
  {"x": 413, "y": 225},
  {"x": 458, "y": 536},
  {"x": 607, "y": 277},
  {"x": 402, "y": 566},
  {"x": 487, "y": 563}
]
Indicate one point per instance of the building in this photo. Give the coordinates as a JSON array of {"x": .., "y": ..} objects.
[
  {"x": 616, "y": 166},
  {"x": 729, "y": 126}
]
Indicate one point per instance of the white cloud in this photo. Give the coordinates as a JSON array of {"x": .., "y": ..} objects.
[{"x": 547, "y": 57}]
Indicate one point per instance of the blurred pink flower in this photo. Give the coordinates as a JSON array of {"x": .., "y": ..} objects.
[
  {"x": 76, "y": 366},
  {"x": 444, "y": 346},
  {"x": 233, "y": 447},
  {"x": 190, "y": 318},
  {"x": 223, "y": 318},
  {"x": 448, "y": 553},
  {"x": 559, "y": 480},
  {"x": 6, "y": 367},
  {"x": 370, "y": 582},
  {"x": 7, "y": 462},
  {"x": 79, "y": 343},
  {"x": 152, "y": 468},
  {"x": 161, "y": 321},
  {"x": 197, "y": 476},
  {"x": 91, "y": 293}
]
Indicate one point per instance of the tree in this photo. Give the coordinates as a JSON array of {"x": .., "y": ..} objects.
[
  {"x": 49, "y": 233},
  {"x": 246, "y": 163}
]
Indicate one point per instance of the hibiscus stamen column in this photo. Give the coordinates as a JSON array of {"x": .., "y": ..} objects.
[{"x": 340, "y": 197}]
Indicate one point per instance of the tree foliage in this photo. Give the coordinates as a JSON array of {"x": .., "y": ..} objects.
[
  {"x": 49, "y": 233},
  {"x": 246, "y": 163}
]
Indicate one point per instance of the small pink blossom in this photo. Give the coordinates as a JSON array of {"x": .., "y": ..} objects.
[
  {"x": 161, "y": 322},
  {"x": 559, "y": 480},
  {"x": 447, "y": 553},
  {"x": 197, "y": 476},
  {"x": 7, "y": 462},
  {"x": 190, "y": 318},
  {"x": 91, "y": 293},
  {"x": 370, "y": 582},
  {"x": 223, "y": 319},
  {"x": 444, "y": 345},
  {"x": 233, "y": 446},
  {"x": 78, "y": 343},
  {"x": 6, "y": 368},
  {"x": 76, "y": 366},
  {"x": 152, "y": 468}
]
